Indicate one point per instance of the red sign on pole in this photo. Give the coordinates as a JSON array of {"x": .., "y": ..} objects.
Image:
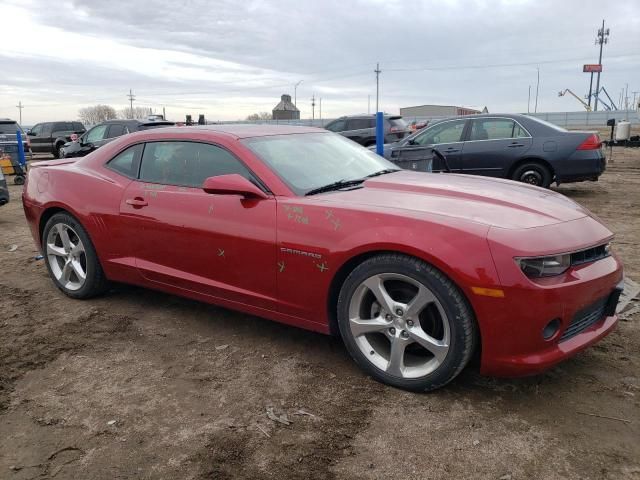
[{"x": 592, "y": 68}]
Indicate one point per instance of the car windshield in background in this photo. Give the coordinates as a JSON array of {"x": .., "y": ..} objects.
[
  {"x": 398, "y": 123},
  {"x": 8, "y": 127},
  {"x": 549, "y": 124},
  {"x": 312, "y": 160}
]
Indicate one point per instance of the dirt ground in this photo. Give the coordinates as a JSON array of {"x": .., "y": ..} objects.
[{"x": 142, "y": 385}]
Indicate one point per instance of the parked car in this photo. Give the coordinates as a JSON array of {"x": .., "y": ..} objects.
[
  {"x": 9, "y": 152},
  {"x": 105, "y": 132},
  {"x": 416, "y": 271},
  {"x": 50, "y": 137},
  {"x": 8, "y": 137},
  {"x": 416, "y": 125},
  {"x": 516, "y": 147},
  {"x": 362, "y": 128},
  {"x": 4, "y": 190}
]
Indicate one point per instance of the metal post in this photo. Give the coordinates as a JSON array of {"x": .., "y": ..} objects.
[
  {"x": 537, "y": 87},
  {"x": 380, "y": 133},
  {"x": 378, "y": 71},
  {"x": 529, "y": 101},
  {"x": 590, "y": 88},
  {"x": 313, "y": 108},
  {"x": 21, "y": 158}
]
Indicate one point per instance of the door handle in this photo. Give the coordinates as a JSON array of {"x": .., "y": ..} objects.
[
  {"x": 136, "y": 202},
  {"x": 451, "y": 149},
  {"x": 515, "y": 145}
]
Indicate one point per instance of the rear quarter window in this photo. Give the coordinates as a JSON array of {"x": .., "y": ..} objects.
[{"x": 127, "y": 162}]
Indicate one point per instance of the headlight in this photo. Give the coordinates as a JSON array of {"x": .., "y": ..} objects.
[{"x": 544, "y": 266}]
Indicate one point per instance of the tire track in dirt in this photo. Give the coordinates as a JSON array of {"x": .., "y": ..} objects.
[{"x": 35, "y": 333}]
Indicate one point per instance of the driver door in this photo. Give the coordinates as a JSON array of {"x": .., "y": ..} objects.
[
  {"x": 447, "y": 137},
  {"x": 219, "y": 245}
]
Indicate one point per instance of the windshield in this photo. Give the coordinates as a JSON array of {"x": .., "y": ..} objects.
[
  {"x": 8, "y": 127},
  {"x": 311, "y": 160},
  {"x": 549, "y": 124}
]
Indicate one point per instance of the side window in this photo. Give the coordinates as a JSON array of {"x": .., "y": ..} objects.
[
  {"x": 59, "y": 127},
  {"x": 446, "y": 132},
  {"x": 126, "y": 163},
  {"x": 96, "y": 134},
  {"x": 187, "y": 163},
  {"x": 337, "y": 126},
  {"x": 358, "y": 123},
  {"x": 37, "y": 129},
  {"x": 519, "y": 132},
  {"x": 115, "y": 130},
  {"x": 492, "y": 129},
  {"x": 47, "y": 129}
]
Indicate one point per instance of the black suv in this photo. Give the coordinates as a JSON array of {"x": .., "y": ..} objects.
[
  {"x": 50, "y": 137},
  {"x": 107, "y": 131},
  {"x": 362, "y": 128}
]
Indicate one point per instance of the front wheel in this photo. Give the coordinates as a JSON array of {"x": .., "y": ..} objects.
[
  {"x": 405, "y": 323},
  {"x": 58, "y": 151},
  {"x": 533, "y": 173},
  {"x": 71, "y": 258}
]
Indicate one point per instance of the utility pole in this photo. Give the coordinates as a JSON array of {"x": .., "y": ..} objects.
[
  {"x": 320, "y": 110},
  {"x": 635, "y": 104},
  {"x": 132, "y": 97},
  {"x": 529, "y": 101},
  {"x": 537, "y": 87},
  {"x": 377, "y": 72},
  {"x": 368, "y": 104},
  {"x": 164, "y": 117},
  {"x": 295, "y": 93},
  {"x": 601, "y": 39},
  {"x": 20, "y": 107},
  {"x": 313, "y": 107}
]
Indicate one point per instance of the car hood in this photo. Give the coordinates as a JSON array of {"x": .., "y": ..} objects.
[{"x": 493, "y": 202}]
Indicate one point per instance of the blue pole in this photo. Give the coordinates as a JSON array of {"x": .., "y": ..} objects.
[
  {"x": 21, "y": 159},
  {"x": 380, "y": 133}
]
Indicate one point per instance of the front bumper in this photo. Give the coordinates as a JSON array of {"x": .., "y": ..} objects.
[{"x": 513, "y": 327}]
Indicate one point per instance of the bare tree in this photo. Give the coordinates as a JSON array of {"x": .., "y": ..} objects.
[
  {"x": 259, "y": 116},
  {"x": 139, "y": 113},
  {"x": 96, "y": 114}
]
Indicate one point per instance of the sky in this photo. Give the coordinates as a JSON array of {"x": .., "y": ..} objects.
[{"x": 227, "y": 59}]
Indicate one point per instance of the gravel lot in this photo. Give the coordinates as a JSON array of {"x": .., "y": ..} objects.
[{"x": 139, "y": 384}]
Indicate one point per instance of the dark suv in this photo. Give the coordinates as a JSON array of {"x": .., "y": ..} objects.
[
  {"x": 50, "y": 137},
  {"x": 362, "y": 128},
  {"x": 105, "y": 132}
]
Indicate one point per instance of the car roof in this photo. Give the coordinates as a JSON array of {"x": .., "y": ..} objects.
[{"x": 241, "y": 130}]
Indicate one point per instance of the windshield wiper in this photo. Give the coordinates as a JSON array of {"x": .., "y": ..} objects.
[
  {"x": 335, "y": 186},
  {"x": 383, "y": 172}
]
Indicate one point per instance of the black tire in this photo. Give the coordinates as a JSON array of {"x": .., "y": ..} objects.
[
  {"x": 461, "y": 320},
  {"x": 18, "y": 180},
  {"x": 533, "y": 173},
  {"x": 95, "y": 283},
  {"x": 57, "y": 153}
]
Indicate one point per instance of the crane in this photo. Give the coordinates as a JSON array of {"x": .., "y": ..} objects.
[
  {"x": 612, "y": 105},
  {"x": 584, "y": 104}
]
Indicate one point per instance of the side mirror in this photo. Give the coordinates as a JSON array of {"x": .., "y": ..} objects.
[
  {"x": 30, "y": 133},
  {"x": 233, "y": 184}
]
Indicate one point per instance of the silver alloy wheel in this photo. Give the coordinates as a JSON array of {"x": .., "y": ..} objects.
[
  {"x": 532, "y": 177},
  {"x": 66, "y": 256},
  {"x": 399, "y": 325},
  {"x": 61, "y": 151}
]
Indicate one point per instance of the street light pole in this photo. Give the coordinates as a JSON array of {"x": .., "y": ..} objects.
[
  {"x": 295, "y": 93},
  {"x": 378, "y": 72}
]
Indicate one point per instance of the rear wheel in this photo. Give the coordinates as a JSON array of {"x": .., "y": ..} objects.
[
  {"x": 58, "y": 151},
  {"x": 533, "y": 173},
  {"x": 71, "y": 258},
  {"x": 405, "y": 323}
]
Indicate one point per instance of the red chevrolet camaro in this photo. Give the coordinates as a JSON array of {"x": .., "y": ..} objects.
[{"x": 415, "y": 271}]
